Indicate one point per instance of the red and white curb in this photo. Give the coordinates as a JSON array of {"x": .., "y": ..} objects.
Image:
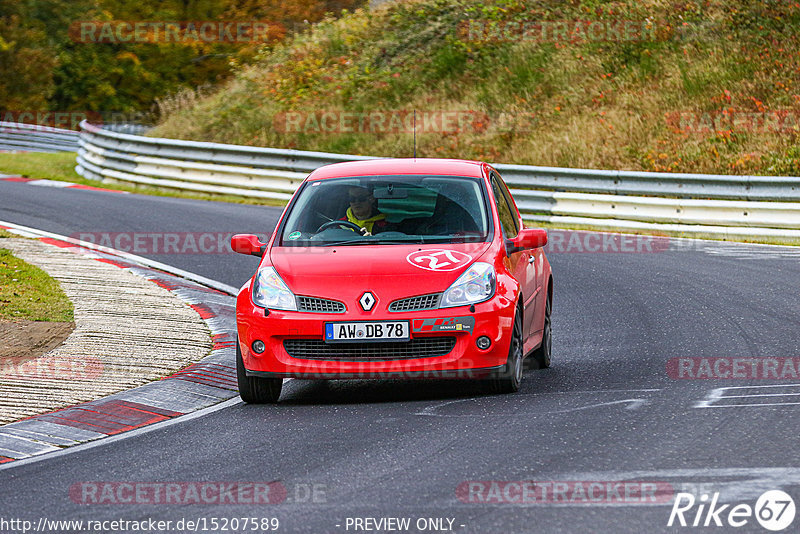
[
  {"x": 55, "y": 183},
  {"x": 199, "y": 386}
]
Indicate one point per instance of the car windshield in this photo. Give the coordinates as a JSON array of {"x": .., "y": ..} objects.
[{"x": 387, "y": 210}]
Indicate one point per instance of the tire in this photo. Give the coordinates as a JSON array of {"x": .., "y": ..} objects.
[
  {"x": 254, "y": 389},
  {"x": 542, "y": 354},
  {"x": 510, "y": 377}
]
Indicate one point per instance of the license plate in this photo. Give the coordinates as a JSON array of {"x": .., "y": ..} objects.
[{"x": 367, "y": 331}]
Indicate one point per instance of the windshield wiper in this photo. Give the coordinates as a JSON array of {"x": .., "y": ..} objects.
[
  {"x": 388, "y": 240},
  {"x": 348, "y": 242},
  {"x": 375, "y": 240}
]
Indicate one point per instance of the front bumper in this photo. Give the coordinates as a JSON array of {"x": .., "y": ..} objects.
[{"x": 493, "y": 319}]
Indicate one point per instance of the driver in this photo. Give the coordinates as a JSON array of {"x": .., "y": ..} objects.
[{"x": 363, "y": 210}]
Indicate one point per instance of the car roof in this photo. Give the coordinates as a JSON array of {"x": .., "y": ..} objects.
[{"x": 395, "y": 166}]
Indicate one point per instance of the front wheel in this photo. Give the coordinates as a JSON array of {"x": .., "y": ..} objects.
[
  {"x": 255, "y": 389},
  {"x": 510, "y": 378}
]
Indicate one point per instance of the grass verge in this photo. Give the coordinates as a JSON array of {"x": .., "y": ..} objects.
[{"x": 27, "y": 292}]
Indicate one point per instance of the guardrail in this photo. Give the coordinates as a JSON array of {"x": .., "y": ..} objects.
[
  {"x": 694, "y": 204},
  {"x": 23, "y": 137}
]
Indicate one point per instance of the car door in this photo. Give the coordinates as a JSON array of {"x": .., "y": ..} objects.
[{"x": 522, "y": 264}]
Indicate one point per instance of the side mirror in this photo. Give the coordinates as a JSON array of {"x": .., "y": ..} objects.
[
  {"x": 529, "y": 238},
  {"x": 248, "y": 244}
]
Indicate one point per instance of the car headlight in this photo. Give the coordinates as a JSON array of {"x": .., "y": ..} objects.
[
  {"x": 269, "y": 291},
  {"x": 475, "y": 285}
]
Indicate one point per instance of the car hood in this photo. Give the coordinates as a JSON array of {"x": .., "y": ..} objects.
[{"x": 389, "y": 271}]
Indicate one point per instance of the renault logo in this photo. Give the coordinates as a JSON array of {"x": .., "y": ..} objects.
[{"x": 367, "y": 301}]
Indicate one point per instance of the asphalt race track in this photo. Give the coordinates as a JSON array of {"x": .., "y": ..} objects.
[{"x": 607, "y": 410}]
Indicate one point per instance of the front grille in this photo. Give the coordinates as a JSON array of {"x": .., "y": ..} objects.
[
  {"x": 423, "y": 302},
  {"x": 317, "y": 349},
  {"x": 312, "y": 304}
]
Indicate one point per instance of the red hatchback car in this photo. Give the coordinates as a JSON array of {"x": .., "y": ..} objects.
[{"x": 395, "y": 268}]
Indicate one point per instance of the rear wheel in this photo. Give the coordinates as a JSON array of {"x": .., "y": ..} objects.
[
  {"x": 510, "y": 378},
  {"x": 255, "y": 389},
  {"x": 542, "y": 355}
]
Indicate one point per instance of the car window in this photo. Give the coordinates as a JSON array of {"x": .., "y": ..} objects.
[
  {"x": 387, "y": 209},
  {"x": 507, "y": 216}
]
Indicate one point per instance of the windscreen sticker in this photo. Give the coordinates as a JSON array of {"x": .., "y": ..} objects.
[
  {"x": 439, "y": 259},
  {"x": 293, "y": 236},
  {"x": 445, "y": 324}
]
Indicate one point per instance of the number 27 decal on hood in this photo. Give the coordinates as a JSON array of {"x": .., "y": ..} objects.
[{"x": 438, "y": 259}]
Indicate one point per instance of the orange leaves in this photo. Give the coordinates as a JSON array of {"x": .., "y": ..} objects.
[
  {"x": 758, "y": 104},
  {"x": 661, "y": 161},
  {"x": 604, "y": 122},
  {"x": 722, "y": 99},
  {"x": 745, "y": 162}
]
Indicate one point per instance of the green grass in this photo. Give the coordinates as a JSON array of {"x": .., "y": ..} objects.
[
  {"x": 27, "y": 292},
  {"x": 55, "y": 166},
  {"x": 61, "y": 166}
]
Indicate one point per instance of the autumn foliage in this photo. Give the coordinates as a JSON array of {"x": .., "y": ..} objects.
[{"x": 45, "y": 67}]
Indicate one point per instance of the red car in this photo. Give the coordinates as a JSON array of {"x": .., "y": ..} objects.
[{"x": 395, "y": 268}]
